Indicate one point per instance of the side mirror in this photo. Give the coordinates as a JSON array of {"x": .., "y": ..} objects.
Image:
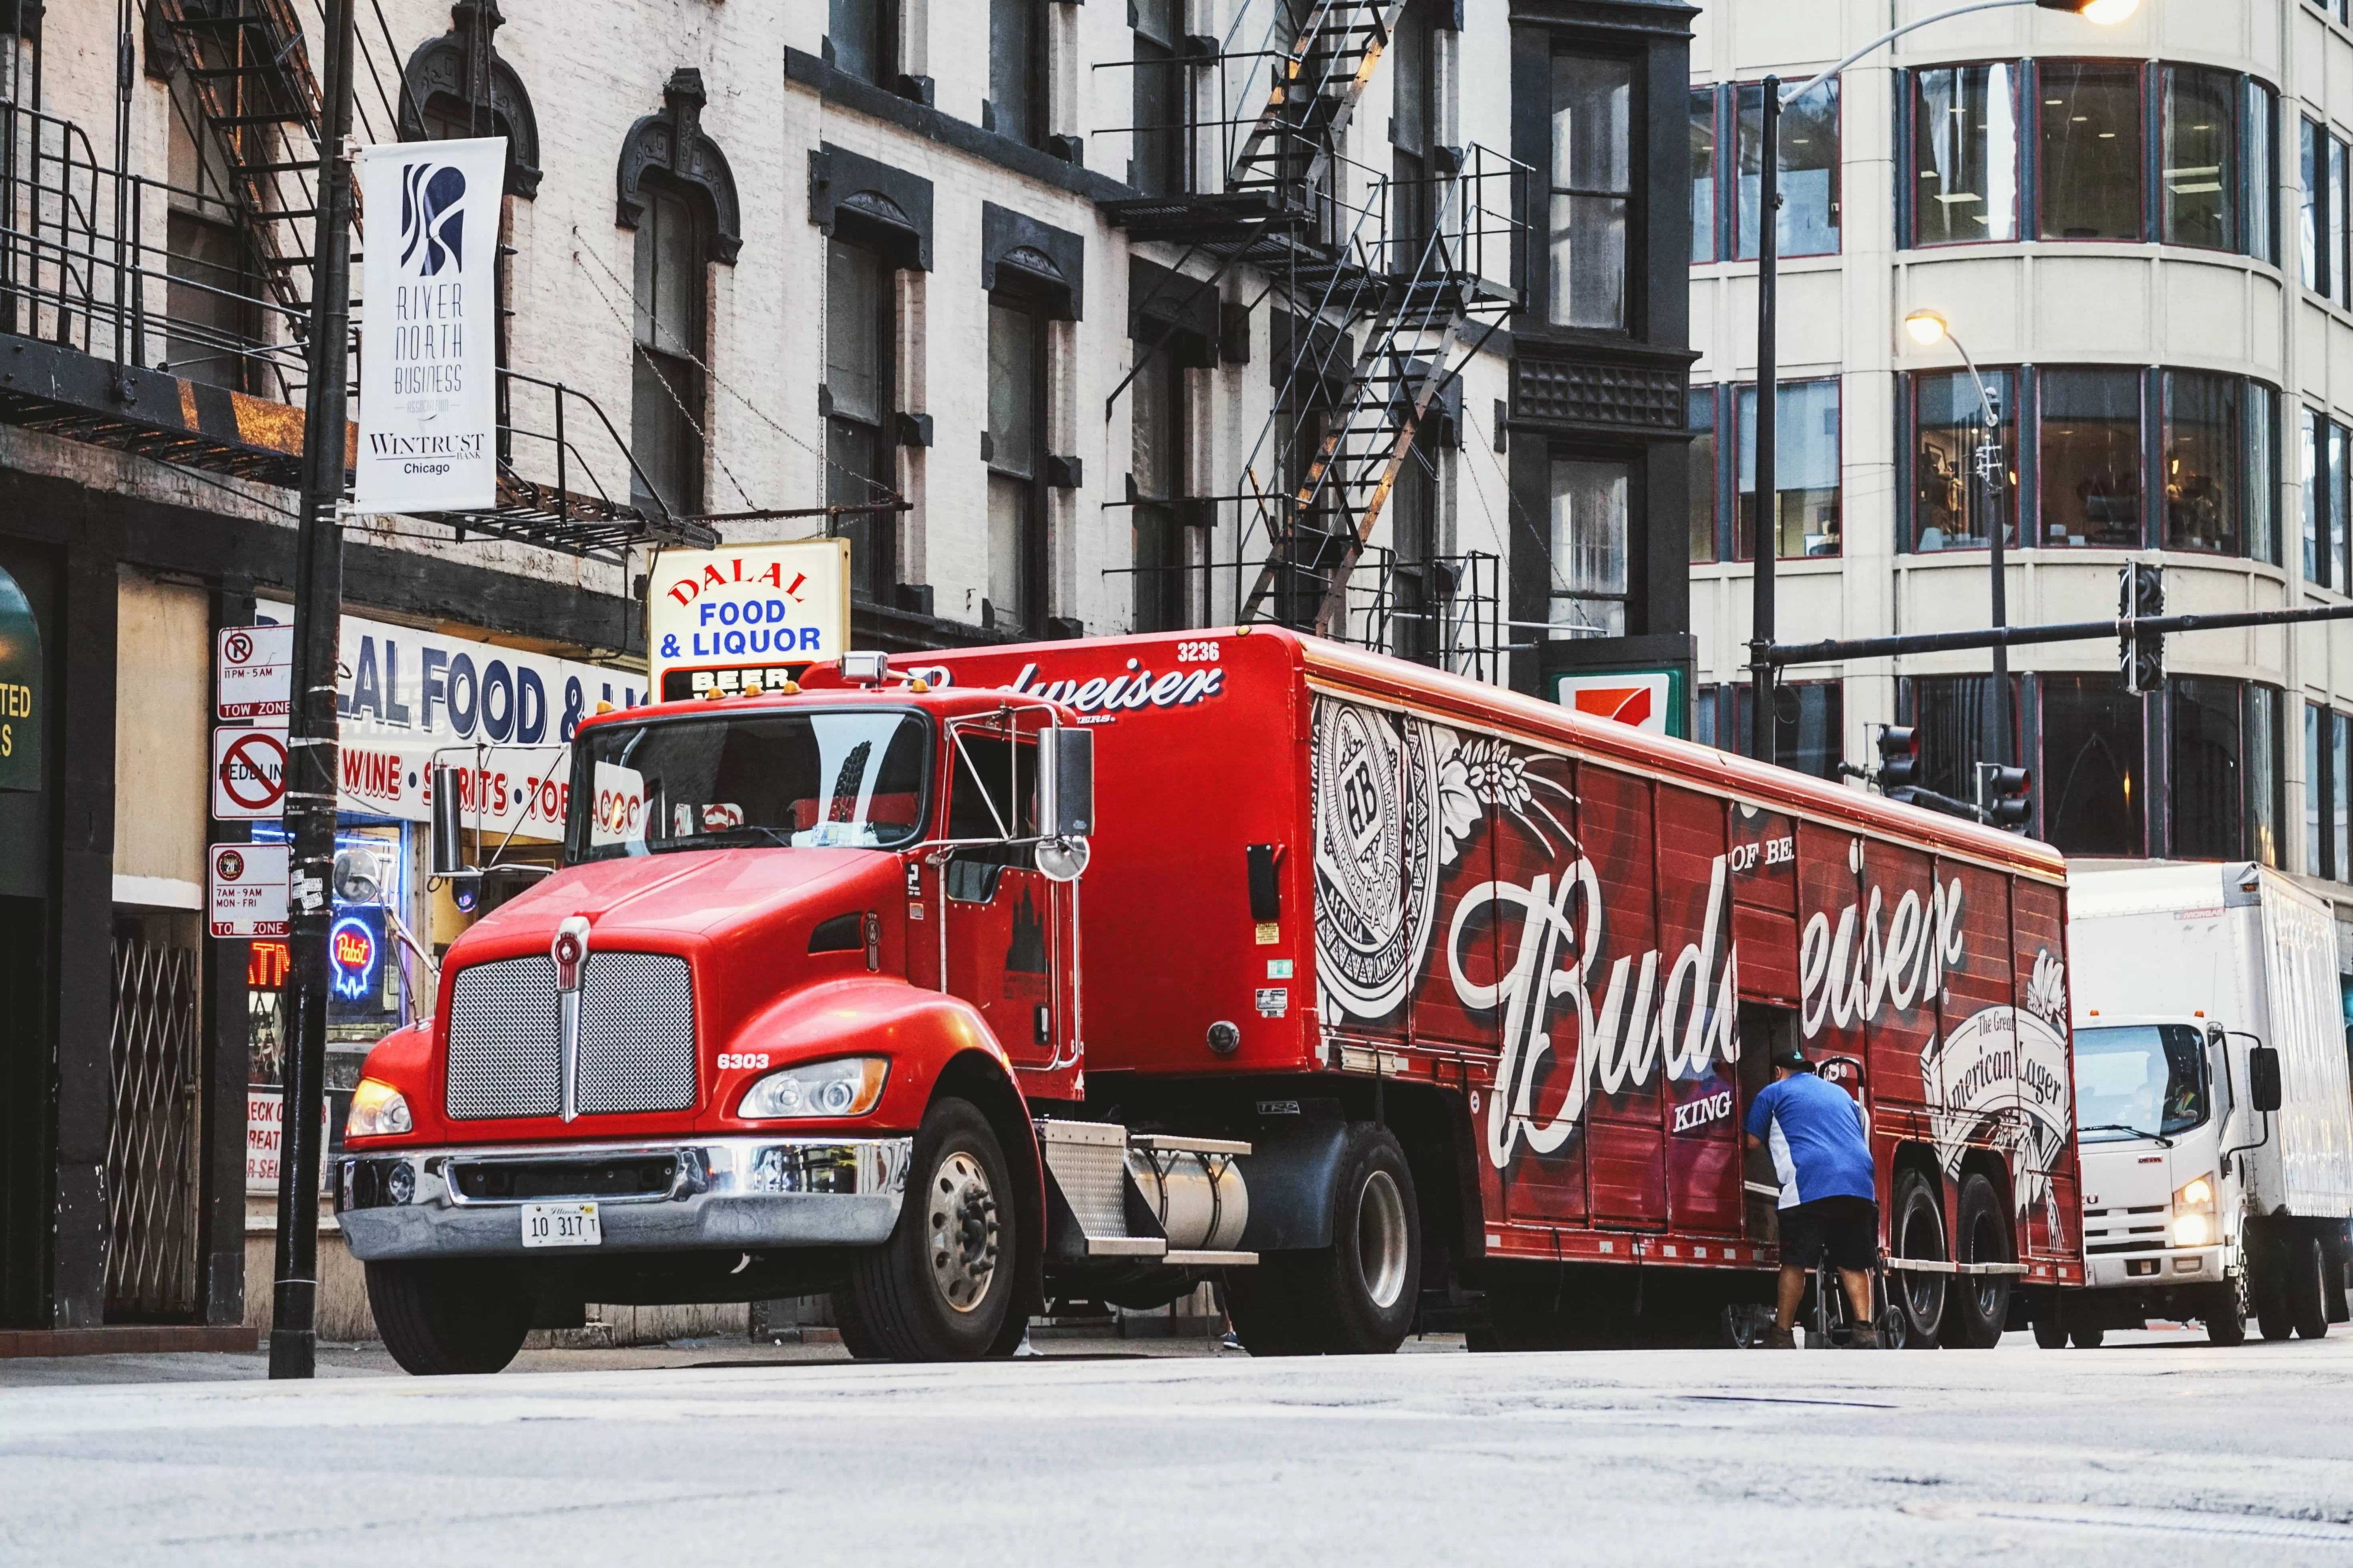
[
  {"x": 2264, "y": 1077},
  {"x": 449, "y": 822},
  {"x": 1066, "y": 784},
  {"x": 357, "y": 877}
]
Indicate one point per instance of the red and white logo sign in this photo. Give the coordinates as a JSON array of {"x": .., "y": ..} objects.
[
  {"x": 249, "y": 774},
  {"x": 1641, "y": 700},
  {"x": 248, "y": 888},
  {"x": 253, "y": 673}
]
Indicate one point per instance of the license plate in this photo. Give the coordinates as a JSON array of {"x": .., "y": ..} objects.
[{"x": 560, "y": 1225}]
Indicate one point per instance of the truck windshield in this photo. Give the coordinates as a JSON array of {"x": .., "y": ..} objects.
[
  {"x": 2144, "y": 1078},
  {"x": 839, "y": 778}
]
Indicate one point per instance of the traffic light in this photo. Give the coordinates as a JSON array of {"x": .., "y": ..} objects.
[
  {"x": 1899, "y": 758},
  {"x": 2141, "y": 655},
  {"x": 2003, "y": 793}
]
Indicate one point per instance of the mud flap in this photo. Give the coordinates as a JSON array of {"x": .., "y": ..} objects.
[{"x": 1290, "y": 1172}]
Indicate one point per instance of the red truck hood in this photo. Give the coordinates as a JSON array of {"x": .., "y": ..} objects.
[{"x": 688, "y": 897}]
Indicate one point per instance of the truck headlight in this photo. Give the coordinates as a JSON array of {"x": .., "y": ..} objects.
[
  {"x": 848, "y": 1086},
  {"x": 378, "y": 1110},
  {"x": 2192, "y": 1230},
  {"x": 2199, "y": 1195}
]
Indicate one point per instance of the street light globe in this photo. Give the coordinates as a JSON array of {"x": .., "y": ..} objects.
[
  {"x": 1926, "y": 327},
  {"x": 2108, "y": 13}
]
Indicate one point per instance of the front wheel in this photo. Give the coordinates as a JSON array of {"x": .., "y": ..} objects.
[
  {"x": 439, "y": 1318},
  {"x": 942, "y": 1288},
  {"x": 1358, "y": 1296},
  {"x": 2226, "y": 1311}
]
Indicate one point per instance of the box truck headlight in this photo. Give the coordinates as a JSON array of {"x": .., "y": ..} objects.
[
  {"x": 378, "y": 1110},
  {"x": 2192, "y": 1230},
  {"x": 850, "y": 1086},
  {"x": 2198, "y": 1196}
]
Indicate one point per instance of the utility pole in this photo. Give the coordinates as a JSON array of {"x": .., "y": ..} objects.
[
  {"x": 1991, "y": 473},
  {"x": 311, "y": 746},
  {"x": 1766, "y": 535}
]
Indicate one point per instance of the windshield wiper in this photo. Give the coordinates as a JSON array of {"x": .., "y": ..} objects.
[
  {"x": 781, "y": 839},
  {"x": 2162, "y": 1141}
]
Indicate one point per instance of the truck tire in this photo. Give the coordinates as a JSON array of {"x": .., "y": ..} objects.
[
  {"x": 2226, "y": 1311},
  {"x": 2306, "y": 1266},
  {"x": 1917, "y": 1229},
  {"x": 2266, "y": 1259},
  {"x": 1977, "y": 1308},
  {"x": 2050, "y": 1332},
  {"x": 942, "y": 1286},
  {"x": 439, "y": 1319},
  {"x": 1358, "y": 1296},
  {"x": 2087, "y": 1339}
]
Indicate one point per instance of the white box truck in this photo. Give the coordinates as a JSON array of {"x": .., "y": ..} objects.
[{"x": 2214, "y": 1110}]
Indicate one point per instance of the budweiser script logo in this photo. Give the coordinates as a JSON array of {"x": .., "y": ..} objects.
[
  {"x": 1844, "y": 975},
  {"x": 1134, "y": 687}
]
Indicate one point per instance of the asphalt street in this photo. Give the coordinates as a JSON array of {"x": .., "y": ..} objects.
[{"x": 2156, "y": 1448}]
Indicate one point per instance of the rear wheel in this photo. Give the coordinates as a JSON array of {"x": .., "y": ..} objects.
[
  {"x": 942, "y": 1288},
  {"x": 1917, "y": 1232},
  {"x": 2306, "y": 1279},
  {"x": 1358, "y": 1296},
  {"x": 2051, "y": 1333},
  {"x": 2226, "y": 1311},
  {"x": 1977, "y": 1305},
  {"x": 2087, "y": 1339},
  {"x": 439, "y": 1318},
  {"x": 2269, "y": 1260}
]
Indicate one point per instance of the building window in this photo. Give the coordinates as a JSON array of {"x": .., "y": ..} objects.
[
  {"x": 1414, "y": 127},
  {"x": 2340, "y": 794},
  {"x": 863, "y": 38},
  {"x": 2089, "y": 177},
  {"x": 2091, "y": 458},
  {"x": 2204, "y": 465},
  {"x": 1809, "y": 724},
  {"x": 1419, "y": 581},
  {"x": 1017, "y": 70},
  {"x": 1588, "y": 547},
  {"x": 1592, "y": 189},
  {"x": 666, "y": 398},
  {"x": 1964, "y": 156},
  {"x": 2262, "y": 410},
  {"x": 2312, "y": 213},
  {"x": 2260, "y": 219},
  {"x": 1955, "y": 714},
  {"x": 1805, "y": 471},
  {"x": 1014, "y": 447},
  {"x": 2267, "y": 756},
  {"x": 1702, "y": 403},
  {"x": 2333, "y": 238},
  {"x": 2198, "y": 168},
  {"x": 862, "y": 458},
  {"x": 2318, "y": 858},
  {"x": 2208, "y": 773},
  {"x": 1157, "y": 168},
  {"x": 2090, "y": 786},
  {"x": 1955, "y": 504},
  {"x": 1810, "y": 172},
  {"x": 2328, "y": 792},
  {"x": 1704, "y": 138},
  {"x": 1156, "y": 469}
]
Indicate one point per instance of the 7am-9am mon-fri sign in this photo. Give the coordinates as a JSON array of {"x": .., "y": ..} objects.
[
  {"x": 757, "y": 614},
  {"x": 428, "y": 419}
]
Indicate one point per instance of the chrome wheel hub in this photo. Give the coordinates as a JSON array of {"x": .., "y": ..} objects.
[
  {"x": 1381, "y": 1250},
  {"x": 961, "y": 1230}
]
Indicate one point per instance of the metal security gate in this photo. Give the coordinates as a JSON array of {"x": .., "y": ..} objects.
[{"x": 152, "y": 1151}]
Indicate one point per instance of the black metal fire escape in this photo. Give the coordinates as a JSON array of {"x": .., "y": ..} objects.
[{"x": 1388, "y": 292}]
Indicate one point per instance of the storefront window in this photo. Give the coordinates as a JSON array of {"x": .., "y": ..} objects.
[
  {"x": 1588, "y": 547},
  {"x": 2199, "y": 164},
  {"x": 2091, "y": 458},
  {"x": 2204, "y": 465},
  {"x": 2090, "y": 786},
  {"x": 1954, "y": 502},
  {"x": 1964, "y": 156},
  {"x": 1809, "y": 171},
  {"x": 2208, "y": 769},
  {"x": 1703, "y": 473},
  {"x": 1806, "y": 470},
  {"x": 2091, "y": 151}
]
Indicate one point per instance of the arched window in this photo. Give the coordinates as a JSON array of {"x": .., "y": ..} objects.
[{"x": 677, "y": 193}]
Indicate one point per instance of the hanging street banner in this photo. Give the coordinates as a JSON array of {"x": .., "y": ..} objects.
[
  {"x": 247, "y": 884},
  {"x": 502, "y": 716},
  {"x": 253, "y": 673},
  {"x": 20, "y": 689},
  {"x": 718, "y": 620},
  {"x": 428, "y": 330}
]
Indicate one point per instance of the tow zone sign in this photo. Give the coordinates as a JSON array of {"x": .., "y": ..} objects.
[
  {"x": 249, "y": 774},
  {"x": 248, "y": 890}
]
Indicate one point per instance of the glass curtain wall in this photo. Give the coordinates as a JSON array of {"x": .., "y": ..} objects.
[
  {"x": 1954, "y": 506},
  {"x": 1965, "y": 150}
]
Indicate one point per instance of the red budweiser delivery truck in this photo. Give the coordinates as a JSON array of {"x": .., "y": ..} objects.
[{"x": 1091, "y": 970}]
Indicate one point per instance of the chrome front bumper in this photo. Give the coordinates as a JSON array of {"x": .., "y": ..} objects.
[{"x": 713, "y": 1194}]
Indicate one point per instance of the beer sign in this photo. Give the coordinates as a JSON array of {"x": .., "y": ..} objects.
[{"x": 748, "y": 615}]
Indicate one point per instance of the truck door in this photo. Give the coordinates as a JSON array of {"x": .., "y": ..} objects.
[{"x": 1003, "y": 924}]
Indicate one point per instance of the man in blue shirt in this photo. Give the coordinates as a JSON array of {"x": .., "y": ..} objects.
[{"x": 1830, "y": 1205}]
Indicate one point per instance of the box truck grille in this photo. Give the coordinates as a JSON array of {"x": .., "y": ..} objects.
[{"x": 506, "y": 1038}]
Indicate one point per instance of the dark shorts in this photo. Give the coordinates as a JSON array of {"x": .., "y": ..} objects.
[{"x": 1845, "y": 1229}]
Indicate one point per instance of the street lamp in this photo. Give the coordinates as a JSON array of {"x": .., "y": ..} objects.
[
  {"x": 1928, "y": 328},
  {"x": 2106, "y": 13}
]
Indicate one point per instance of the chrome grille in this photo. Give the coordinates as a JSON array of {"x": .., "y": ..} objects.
[
  {"x": 637, "y": 1038},
  {"x": 636, "y": 1033},
  {"x": 506, "y": 1044}
]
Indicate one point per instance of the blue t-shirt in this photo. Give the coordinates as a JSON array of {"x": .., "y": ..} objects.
[{"x": 1820, "y": 1147}]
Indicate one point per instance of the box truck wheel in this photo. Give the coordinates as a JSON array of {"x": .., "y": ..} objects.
[
  {"x": 2305, "y": 1264},
  {"x": 1358, "y": 1296},
  {"x": 442, "y": 1317},
  {"x": 1917, "y": 1229},
  {"x": 1977, "y": 1309},
  {"x": 939, "y": 1289},
  {"x": 2087, "y": 1339},
  {"x": 2049, "y": 1331},
  {"x": 2226, "y": 1311}
]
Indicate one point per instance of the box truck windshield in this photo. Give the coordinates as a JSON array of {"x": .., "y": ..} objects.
[
  {"x": 850, "y": 778},
  {"x": 2146, "y": 1081}
]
